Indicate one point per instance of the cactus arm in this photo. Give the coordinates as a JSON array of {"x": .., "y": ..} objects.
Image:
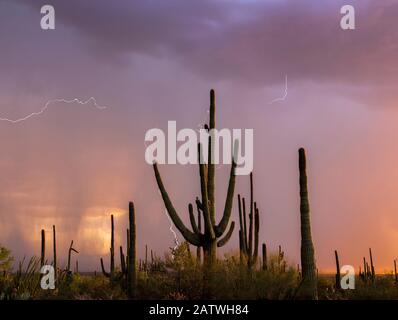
[
  {"x": 187, "y": 234},
  {"x": 199, "y": 204},
  {"x": 228, "y": 235},
  {"x": 106, "y": 274},
  {"x": 192, "y": 219},
  {"x": 122, "y": 261},
  {"x": 228, "y": 202}
]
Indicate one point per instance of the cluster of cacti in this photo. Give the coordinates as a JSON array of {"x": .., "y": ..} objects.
[
  {"x": 211, "y": 238},
  {"x": 128, "y": 264},
  {"x": 43, "y": 260},
  {"x": 308, "y": 287},
  {"x": 248, "y": 238},
  {"x": 368, "y": 274},
  {"x": 155, "y": 264}
]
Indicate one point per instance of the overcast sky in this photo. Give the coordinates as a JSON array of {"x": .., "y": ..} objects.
[{"x": 154, "y": 61}]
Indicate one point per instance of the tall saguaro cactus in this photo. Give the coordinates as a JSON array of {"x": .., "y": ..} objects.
[
  {"x": 308, "y": 288},
  {"x": 211, "y": 238},
  {"x": 132, "y": 263}
]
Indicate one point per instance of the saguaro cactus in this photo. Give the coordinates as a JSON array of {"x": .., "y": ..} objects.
[
  {"x": 308, "y": 287},
  {"x": 338, "y": 276},
  {"x": 71, "y": 249},
  {"x": 112, "y": 251},
  {"x": 265, "y": 266},
  {"x": 43, "y": 248},
  {"x": 132, "y": 264},
  {"x": 248, "y": 243},
  {"x": 54, "y": 251},
  {"x": 372, "y": 268},
  {"x": 209, "y": 240}
]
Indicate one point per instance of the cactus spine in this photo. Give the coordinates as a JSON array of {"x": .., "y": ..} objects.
[
  {"x": 131, "y": 265},
  {"x": 308, "y": 288},
  {"x": 208, "y": 240},
  {"x": 43, "y": 248}
]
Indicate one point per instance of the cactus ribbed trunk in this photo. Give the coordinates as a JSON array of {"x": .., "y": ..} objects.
[
  {"x": 43, "y": 248},
  {"x": 132, "y": 265},
  {"x": 308, "y": 288}
]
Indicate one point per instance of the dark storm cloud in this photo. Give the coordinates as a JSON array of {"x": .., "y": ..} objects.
[{"x": 255, "y": 41}]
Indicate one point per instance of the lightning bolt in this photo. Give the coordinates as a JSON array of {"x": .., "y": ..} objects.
[
  {"x": 284, "y": 95},
  {"x": 47, "y": 105},
  {"x": 176, "y": 242}
]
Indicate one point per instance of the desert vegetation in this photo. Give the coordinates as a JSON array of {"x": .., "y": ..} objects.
[{"x": 194, "y": 269}]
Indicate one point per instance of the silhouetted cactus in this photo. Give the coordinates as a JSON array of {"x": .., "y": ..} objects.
[
  {"x": 122, "y": 262},
  {"x": 265, "y": 264},
  {"x": 395, "y": 271},
  {"x": 132, "y": 265},
  {"x": 43, "y": 248},
  {"x": 54, "y": 251},
  {"x": 338, "y": 276},
  {"x": 71, "y": 249},
  {"x": 248, "y": 243},
  {"x": 112, "y": 252},
  {"x": 209, "y": 240},
  {"x": 308, "y": 286},
  {"x": 372, "y": 268}
]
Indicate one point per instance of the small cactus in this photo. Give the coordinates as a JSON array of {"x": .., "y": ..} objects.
[
  {"x": 54, "y": 251},
  {"x": 132, "y": 265},
  {"x": 71, "y": 249},
  {"x": 43, "y": 248},
  {"x": 338, "y": 276}
]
